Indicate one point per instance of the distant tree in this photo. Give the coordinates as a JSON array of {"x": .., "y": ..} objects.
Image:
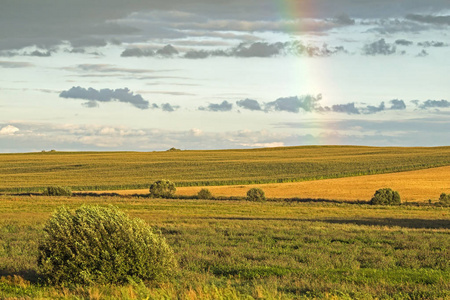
[
  {"x": 256, "y": 194},
  {"x": 162, "y": 188},
  {"x": 204, "y": 194},
  {"x": 386, "y": 196},
  {"x": 174, "y": 149}
]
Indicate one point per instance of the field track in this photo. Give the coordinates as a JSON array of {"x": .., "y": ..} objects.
[{"x": 413, "y": 186}]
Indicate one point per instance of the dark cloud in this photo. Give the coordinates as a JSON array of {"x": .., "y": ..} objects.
[
  {"x": 224, "y": 106},
  {"x": 344, "y": 19},
  {"x": 379, "y": 47},
  {"x": 88, "y": 42},
  {"x": 403, "y": 42},
  {"x": 294, "y": 104},
  {"x": 258, "y": 49},
  {"x": 348, "y": 108},
  {"x": 397, "y": 104},
  {"x": 370, "y": 109},
  {"x": 137, "y": 52},
  {"x": 40, "y": 53},
  {"x": 435, "y": 104},
  {"x": 167, "y": 51},
  {"x": 196, "y": 54},
  {"x": 15, "y": 64},
  {"x": 429, "y": 19},
  {"x": 249, "y": 104},
  {"x": 107, "y": 68},
  {"x": 168, "y": 107},
  {"x": 432, "y": 44},
  {"x": 105, "y": 95},
  {"x": 422, "y": 53}
]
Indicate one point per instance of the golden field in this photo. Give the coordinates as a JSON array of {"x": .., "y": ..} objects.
[{"x": 413, "y": 186}]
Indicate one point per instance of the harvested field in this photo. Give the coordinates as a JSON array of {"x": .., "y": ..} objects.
[{"x": 413, "y": 186}]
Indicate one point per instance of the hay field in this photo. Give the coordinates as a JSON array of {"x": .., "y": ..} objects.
[
  {"x": 413, "y": 186},
  {"x": 137, "y": 170}
]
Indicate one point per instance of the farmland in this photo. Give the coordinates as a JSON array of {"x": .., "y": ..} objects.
[
  {"x": 134, "y": 170},
  {"x": 240, "y": 249}
]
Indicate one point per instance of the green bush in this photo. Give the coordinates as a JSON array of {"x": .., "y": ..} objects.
[
  {"x": 386, "y": 196},
  {"x": 204, "y": 194},
  {"x": 101, "y": 245},
  {"x": 57, "y": 191},
  {"x": 444, "y": 199},
  {"x": 162, "y": 189},
  {"x": 256, "y": 194}
]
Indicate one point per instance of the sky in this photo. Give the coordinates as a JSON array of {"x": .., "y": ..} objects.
[{"x": 149, "y": 75}]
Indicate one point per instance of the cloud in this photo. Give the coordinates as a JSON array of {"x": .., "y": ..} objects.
[
  {"x": 432, "y": 44},
  {"x": 403, "y": 42},
  {"x": 258, "y": 49},
  {"x": 422, "y": 53},
  {"x": 370, "y": 109},
  {"x": 105, "y": 95},
  {"x": 348, "y": 108},
  {"x": 40, "y": 53},
  {"x": 249, "y": 104},
  {"x": 137, "y": 52},
  {"x": 106, "y": 68},
  {"x": 9, "y": 130},
  {"x": 429, "y": 19},
  {"x": 344, "y": 19},
  {"x": 197, "y": 54},
  {"x": 224, "y": 106},
  {"x": 168, "y": 107},
  {"x": 294, "y": 104},
  {"x": 167, "y": 51},
  {"x": 397, "y": 104},
  {"x": 15, "y": 64},
  {"x": 379, "y": 47},
  {"x": 435, "y": 104}
]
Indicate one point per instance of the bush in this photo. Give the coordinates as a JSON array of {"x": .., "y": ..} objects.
[
  {"x": 163, "y": 189},
  {"x": 57, "y": 191},
  {"x": 256, "y": 194},
  {"x": 385, "y": 197},
  {"x": 444, "y": 199},
  {"x": 204, "y": 194},
  {"x": 101, "y": 245}
]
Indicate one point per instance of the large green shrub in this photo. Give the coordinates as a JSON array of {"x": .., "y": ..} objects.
[
  {"x": 256, "y": 194},
  {"x": 386, "y": 196},
  {"x": 162, "y": 188},
  {"x": 57, "y": 191},
  {"x": 101, "y": 245},
  {"x": 204, "y": 194}
]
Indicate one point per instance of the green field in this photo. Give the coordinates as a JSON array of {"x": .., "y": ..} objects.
[
  {"x": 245, "y": 250},
  {"x": 132, "y": 170}
]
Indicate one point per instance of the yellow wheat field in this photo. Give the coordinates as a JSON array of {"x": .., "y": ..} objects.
[{"x": 413, "y": 186}]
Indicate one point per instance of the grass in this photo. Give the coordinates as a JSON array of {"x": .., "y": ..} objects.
[
  {"x": 132, "y": 170},
  {"x": 246, "y": 250}
]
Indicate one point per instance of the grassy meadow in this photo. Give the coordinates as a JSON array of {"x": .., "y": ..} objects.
[
  {"x": 245, "y": 250},
  {"x": 132, "y": 170}
]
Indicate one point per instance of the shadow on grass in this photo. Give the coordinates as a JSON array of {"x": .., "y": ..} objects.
[
  {"x": 27, "y": 274},
  {"x": 391, "y": 222}
]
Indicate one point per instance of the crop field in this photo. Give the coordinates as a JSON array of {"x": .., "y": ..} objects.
[
  {"x": 413, "y": 186},
  {"x": 134, "y": 170},
  {"x": 248, "y": 250}
]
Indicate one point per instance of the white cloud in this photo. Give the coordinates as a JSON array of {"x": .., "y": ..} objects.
[{"x": 9, "y": 130}]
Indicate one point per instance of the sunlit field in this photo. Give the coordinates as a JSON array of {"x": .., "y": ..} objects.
[
  {"x": 246, "y": 250},
  {"x": 136, "y": 170}
]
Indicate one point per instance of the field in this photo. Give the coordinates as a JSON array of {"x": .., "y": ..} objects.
[
  {"x": 413, "y": 186},
  {"x": 135, "y": 170},
  {"x": 244, "y": 250}
]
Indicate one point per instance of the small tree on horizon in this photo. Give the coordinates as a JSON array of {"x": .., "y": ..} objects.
[{"x": 256, "y": 194}]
